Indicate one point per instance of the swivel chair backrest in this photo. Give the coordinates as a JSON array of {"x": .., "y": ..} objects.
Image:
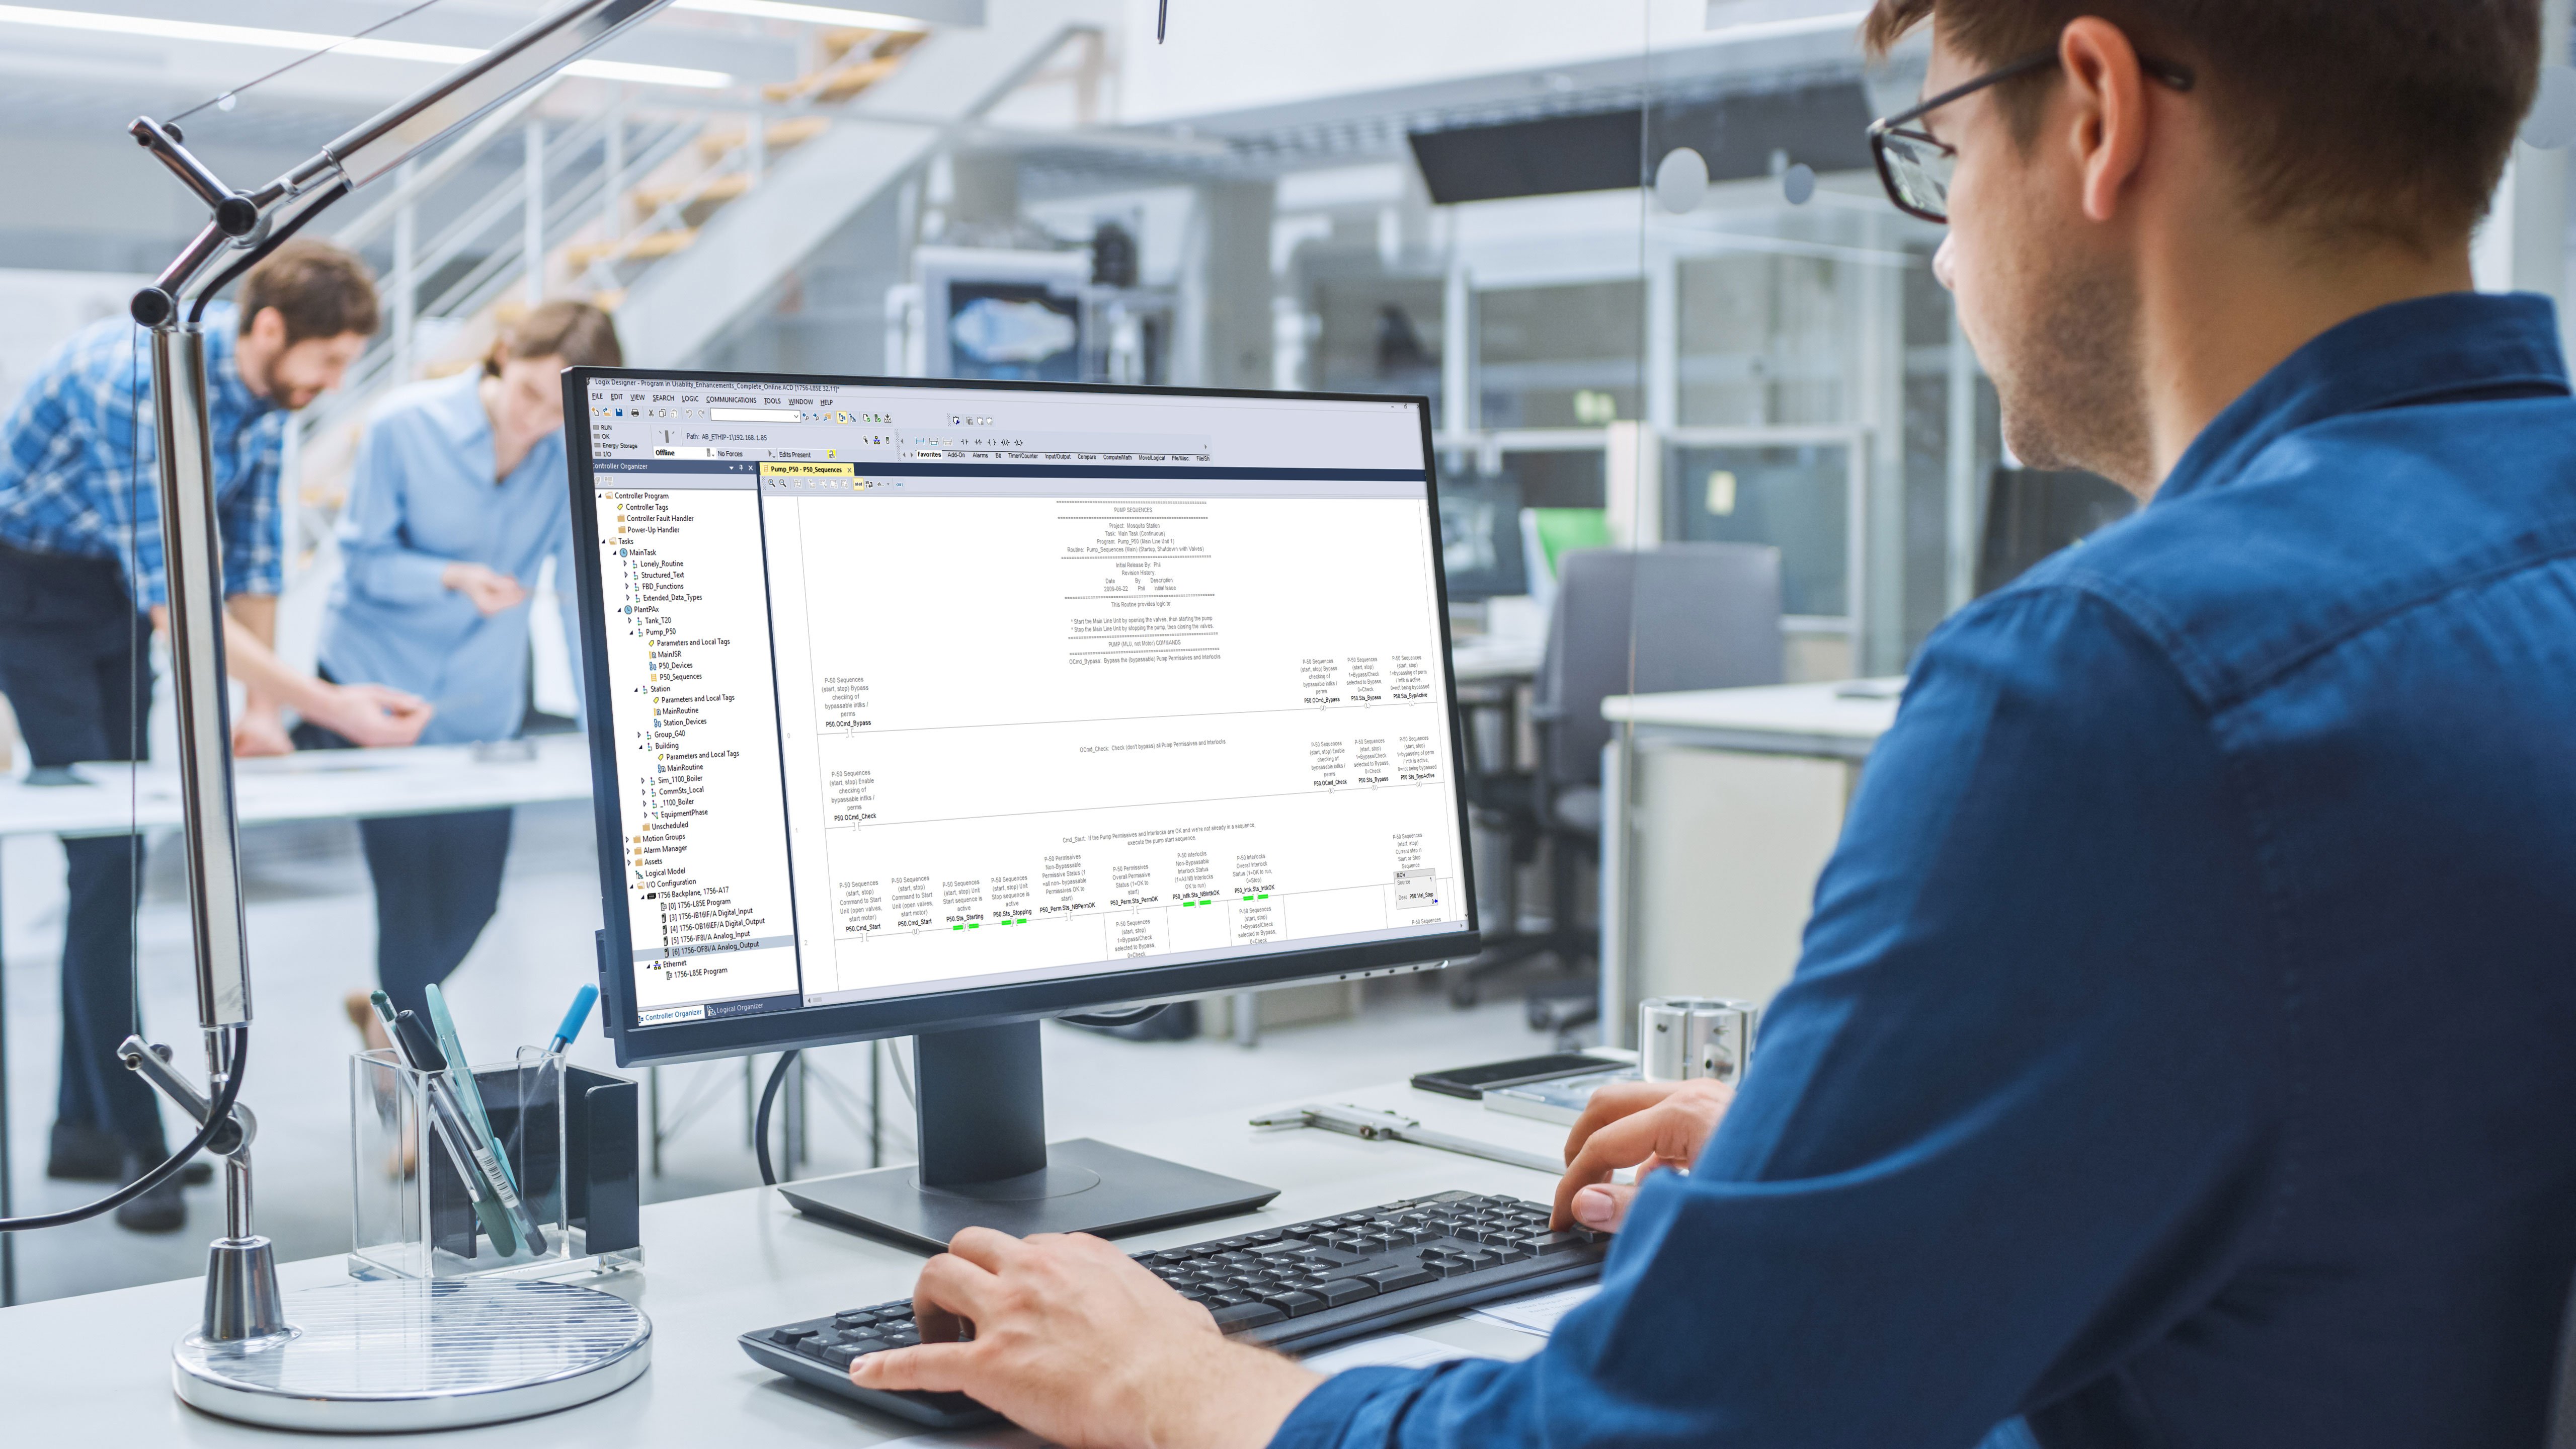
[{"x": 1683, "y": 616}]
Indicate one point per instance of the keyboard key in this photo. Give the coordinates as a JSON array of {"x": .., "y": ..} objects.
[
  {"x": 1236, "y": 1317},
  {"x": 904, "y": 1339},
  {"x": 1293, "y": 1303},
  {"x": 1410, "y": 1275},
  {"x": 1550, "y": 1244},
  {"x": 1480, "y": 1259},
  {"x": 1510, "y": 1253},
  {"x": 1345, "y": 1290},
  {"x": 1450, "y": 1267}
]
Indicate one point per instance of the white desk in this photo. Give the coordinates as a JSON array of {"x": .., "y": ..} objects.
[
  {"x": 1710, "y": 852},
  {"x": 1487, "y": 658},
  {"x": 308, "y": 785},
  {"x": 96, "y": 1370},
  {"x": 312, "y": 785}
]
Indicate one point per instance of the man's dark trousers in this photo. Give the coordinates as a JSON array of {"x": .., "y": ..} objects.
[{"x": 75, "y": 667}]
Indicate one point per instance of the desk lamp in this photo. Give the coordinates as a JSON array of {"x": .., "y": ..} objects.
[{"x": 362, "y": 1355}]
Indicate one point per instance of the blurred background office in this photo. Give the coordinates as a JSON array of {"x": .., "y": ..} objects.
[{"x": 1714, "y": 456}]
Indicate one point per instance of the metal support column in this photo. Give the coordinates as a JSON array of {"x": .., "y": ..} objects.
[
  {"x": 612, "y": 171},
  {"x": 405, "y": 285},
  {"x": 1966, "y": 496},
  {"x": 536, "y": 220}
]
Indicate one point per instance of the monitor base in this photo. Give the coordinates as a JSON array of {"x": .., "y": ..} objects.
[{"x": 1087, "y": 1186}]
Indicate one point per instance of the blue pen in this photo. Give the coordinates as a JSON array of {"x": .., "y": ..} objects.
[{"x": 573, "y": 1019}]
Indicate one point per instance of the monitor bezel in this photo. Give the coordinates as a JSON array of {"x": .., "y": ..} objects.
[{"x": 974, "y": 1006}]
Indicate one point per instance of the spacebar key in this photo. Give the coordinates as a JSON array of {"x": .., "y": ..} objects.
[
  {"x": 1236, "y": 1317},
  {"x": 1390, "y": 1279}
]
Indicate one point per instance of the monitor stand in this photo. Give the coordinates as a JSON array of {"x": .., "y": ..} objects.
[{"x": 985, "y": 1160}]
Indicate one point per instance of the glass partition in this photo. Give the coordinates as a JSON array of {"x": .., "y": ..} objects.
[{"x": 1630, "y": 251}]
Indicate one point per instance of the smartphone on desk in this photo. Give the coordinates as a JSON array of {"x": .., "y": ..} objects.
[{"x": 1474, "y": 1082}]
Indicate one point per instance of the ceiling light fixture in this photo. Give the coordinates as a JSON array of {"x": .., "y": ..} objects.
[
  {"x": 803, "y": 14},
  {"x": 306, "y": 40}
]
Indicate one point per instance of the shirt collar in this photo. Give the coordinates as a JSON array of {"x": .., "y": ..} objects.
[
  {"x": 2414, "y": 351},
  {"x": 458, "y": 406}
]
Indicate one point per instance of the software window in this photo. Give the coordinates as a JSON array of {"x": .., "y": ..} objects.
[{"x": 1040, "y": 683}]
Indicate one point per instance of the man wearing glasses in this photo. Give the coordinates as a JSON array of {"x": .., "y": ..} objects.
[{"x": 2180, "y": 1054}]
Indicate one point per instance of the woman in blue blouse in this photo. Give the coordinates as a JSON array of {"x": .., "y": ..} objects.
[{"x": 458, "y": 499}]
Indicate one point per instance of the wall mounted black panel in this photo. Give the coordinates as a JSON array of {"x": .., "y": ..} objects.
[
  {"x": 1826, "y": 126},
  {"x": 1597, "y": 152}
]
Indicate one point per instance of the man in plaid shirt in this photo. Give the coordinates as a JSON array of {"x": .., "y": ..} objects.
[{"x": 81, "y": 580}]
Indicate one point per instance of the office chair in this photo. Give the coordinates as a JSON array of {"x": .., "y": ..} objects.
[{"x": 1682, "y": 616}]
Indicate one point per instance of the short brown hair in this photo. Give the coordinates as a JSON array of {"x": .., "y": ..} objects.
[
  {"x": 2393, "y": 117},
  {"x": 319, "y": 290},
  {"x": 577, "y": 332}
]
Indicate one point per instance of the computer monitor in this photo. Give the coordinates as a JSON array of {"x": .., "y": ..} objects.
[
  {"x": 1480, "y": 536},
  {"x": 938, "y": 707}
]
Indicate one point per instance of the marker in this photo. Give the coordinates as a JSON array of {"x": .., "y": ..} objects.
[
  {"x": 418, "y": 1051},
  {"x": 469, "y": 1091},
  {"x": 442, "y": 1090},
  {"x": 573, "y": 1019}
]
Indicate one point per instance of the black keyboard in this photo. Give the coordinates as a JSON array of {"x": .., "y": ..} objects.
[{"x": 1295, "y": 1287}]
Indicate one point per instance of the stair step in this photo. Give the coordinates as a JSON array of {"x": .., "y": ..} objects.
[
  {"x": 837, "y": 84},
  {"x": 650, "y": 199},
  {"x": 635, "y": 249},
  {"x": 781, "y": 136}
]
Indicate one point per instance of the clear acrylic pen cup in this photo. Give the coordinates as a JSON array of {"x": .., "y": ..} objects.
[{"x": 413, "y": 1208}]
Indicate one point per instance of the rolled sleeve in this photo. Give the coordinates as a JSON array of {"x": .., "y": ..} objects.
[
  {"x": 2009, "y": 1121},
  {"x": 568, "y": 609}
]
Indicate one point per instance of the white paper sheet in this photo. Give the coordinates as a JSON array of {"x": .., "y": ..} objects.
[
  {"x": 1391, "y": 1350},
  {"x": 1538, "y": 1315}
]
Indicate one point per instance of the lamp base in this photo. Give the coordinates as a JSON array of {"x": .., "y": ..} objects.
[{"x": 411, "y": 1355}]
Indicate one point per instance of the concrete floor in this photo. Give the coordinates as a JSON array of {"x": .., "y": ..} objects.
[{"x": 312, "y": 926}]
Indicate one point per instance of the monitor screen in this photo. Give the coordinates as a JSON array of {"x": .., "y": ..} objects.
[{"x": 926, "y": 703}]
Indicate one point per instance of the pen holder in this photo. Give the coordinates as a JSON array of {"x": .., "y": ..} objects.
[{"x": 566, "y": 1136}]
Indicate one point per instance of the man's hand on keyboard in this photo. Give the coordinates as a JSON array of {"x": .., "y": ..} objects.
[
  {"x": 1076, "y": 1342},
  {"x": 1644, "y": 1125}
]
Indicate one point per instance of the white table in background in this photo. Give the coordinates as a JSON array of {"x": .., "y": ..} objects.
[
  {"x": 1710, "y": 853},
  {"x": 121, "y": 799},
  {"x": 96, "y": 1369}
]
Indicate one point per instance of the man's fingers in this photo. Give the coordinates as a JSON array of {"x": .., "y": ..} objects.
[
  {"x": 987, "y": 1248},
  {"x": 1603, "y": 1207},
  {"x": 954, "y": 1285},
  {"x": 935, "y": 1368},
  {"x": 1658, "y": 1132},
  {"x": 1610, "y": 1103}
]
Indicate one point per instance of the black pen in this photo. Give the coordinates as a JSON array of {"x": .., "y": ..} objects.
[{"x": 419, "y": 1051}]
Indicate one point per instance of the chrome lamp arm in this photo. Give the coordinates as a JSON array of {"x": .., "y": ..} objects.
[{"x": 241, "y": 228}]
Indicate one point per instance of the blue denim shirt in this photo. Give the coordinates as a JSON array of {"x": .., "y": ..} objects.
[
  {"x": 421, "y": 497},
  {"x": 2184, "y": 1049},
  {"x": 80, "y": 466}
]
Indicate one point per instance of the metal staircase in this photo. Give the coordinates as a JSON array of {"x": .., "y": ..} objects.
[{"x": 678, "y": 218}]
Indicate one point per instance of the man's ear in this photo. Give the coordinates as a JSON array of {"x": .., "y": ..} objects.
[
  {"x": 2107, "y": 130},
  {"x": 267, "y": 327}
]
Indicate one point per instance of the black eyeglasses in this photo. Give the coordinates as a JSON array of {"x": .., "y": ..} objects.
[{"x": 1915, "y": 165}]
